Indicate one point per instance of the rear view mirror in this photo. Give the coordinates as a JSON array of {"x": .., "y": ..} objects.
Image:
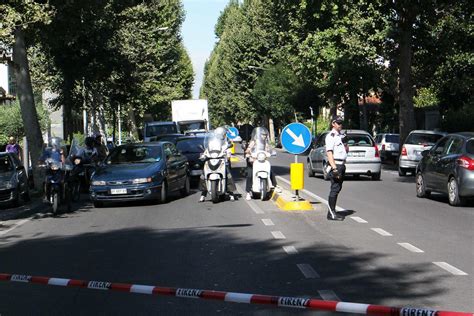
[{"x": 425, "y": 153}]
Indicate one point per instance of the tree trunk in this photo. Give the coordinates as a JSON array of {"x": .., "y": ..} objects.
[
  {"x": 27, "y": 102},
  {"x": 132, "y": 123},
  {"x": 405, "y": 89}
]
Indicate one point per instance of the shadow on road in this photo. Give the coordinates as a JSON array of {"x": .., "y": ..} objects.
[{"x": 201, "y": 258}]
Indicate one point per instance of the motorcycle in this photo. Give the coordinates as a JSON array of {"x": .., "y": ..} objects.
[
  {"x": 57, "y": 189},
  {"x": 215, "y": 165},
  {"x": 260, "y": 152}
]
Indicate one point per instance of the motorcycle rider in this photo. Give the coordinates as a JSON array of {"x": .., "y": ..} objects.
[
  {"x": 55, "y": 152},
  {"x": 102, "y": 150},
  {"x": 262, "y": 133},
  {"x": 220, "y": 132},
  {"x": 89, "y": 153}
]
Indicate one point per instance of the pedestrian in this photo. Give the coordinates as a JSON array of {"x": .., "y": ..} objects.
[
  {"x": 336, "y": 153},
  {"x": 13, "y": 147}
]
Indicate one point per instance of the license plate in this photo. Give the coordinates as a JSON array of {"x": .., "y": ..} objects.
[
  {"x": 118, "y": 191},
  {"x": 356, "y": 154},
  {"x": 196, "y": 172}
]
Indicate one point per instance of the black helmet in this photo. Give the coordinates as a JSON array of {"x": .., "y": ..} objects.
[{"x": 89, "y": 141}]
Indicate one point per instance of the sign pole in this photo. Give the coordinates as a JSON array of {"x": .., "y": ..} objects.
[{"x": 296, "y": 191}]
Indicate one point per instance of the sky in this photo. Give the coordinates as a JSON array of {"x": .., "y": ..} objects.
[{"x": 198, "y": 34}]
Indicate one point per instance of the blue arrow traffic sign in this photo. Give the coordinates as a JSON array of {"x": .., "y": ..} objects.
[
  {"x": 232, "y": 132},
  {"x": 295, "y": 138}
]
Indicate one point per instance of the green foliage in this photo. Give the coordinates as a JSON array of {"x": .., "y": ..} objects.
[
  {"x": 426, "y": 97},
  {"x": 11, "y": 122}
]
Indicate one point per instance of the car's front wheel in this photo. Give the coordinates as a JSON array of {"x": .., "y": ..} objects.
[
  {"x": 309, "y": 169},
  {"x": 453, "y": 193},
  {"x": 186, "y": 188},
  {"x": 421, "y": 191},
  {"x": 164, "y": 192}
]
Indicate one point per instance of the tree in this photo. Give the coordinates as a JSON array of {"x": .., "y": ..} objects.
[{"x": 18, "y": 16}]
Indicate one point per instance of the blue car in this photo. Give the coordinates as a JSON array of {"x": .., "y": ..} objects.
[{"x": 143, "y": 171}]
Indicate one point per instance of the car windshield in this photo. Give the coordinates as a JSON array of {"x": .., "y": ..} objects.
[
  {"x": 359, "y": 140},
  {"x": 422, "y": 139},
  {"x": 166, "y": 138},
  {"x": 392, "y": 138},
  {"x": 470, "y": 146},
  {"x": 154, "y": 130},
  {"x": 134, "y": 154},
  {"x": 190, "y": 145},
  {"x": 5, "y": 164},
  {"x": 191, "y": 126}
]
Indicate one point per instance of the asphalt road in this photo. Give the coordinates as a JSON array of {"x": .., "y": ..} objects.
[{"x": 249, "y": 248}]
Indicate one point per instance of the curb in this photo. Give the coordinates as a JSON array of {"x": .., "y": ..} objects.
[
  {"x": 277, "y": 301},
  {"x": 285, "y": 203}
]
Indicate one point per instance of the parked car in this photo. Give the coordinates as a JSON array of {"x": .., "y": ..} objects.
[
  {"x": 388, "y": 146},
  {"x": 141, "y": 171},
  {"x": 192, "y": 147},
  {"x": 13, "y": 180},
  {"x": 416, "y": 142},
  {"x": 448, "y": 168},
  {"x": 362, "y": 159}
]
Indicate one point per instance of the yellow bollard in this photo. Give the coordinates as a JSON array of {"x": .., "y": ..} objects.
[
  {"x": 232, "y": 149},
  {"x": 297, "y": 176}
]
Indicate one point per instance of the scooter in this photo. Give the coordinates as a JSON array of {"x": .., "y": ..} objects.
[
  {"x": 215, "y": 167},
  {"x": 261, "y": 181}
]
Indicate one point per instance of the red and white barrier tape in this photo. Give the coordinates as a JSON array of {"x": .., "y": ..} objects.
[{"x": 280, "y": 301}]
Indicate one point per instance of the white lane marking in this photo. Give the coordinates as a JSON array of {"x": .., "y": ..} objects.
[
  {"x": 23, "y": 221},
  {"x": 450, "y": 268},
  {"x": 307, "y": 271},
  {"x": 381, "y": 232},
  {"x": 409, "y": 247},
  {"x": 355, "y": 308},
  {"x": 278, "y": 235},
  {"x": 267, "y": 222},
  {"x": 317, "y": 197},
  {"x": 328, "y": 295},
  {"x": 290, "y": 250},
  {"x": 254, "y": 207},
  {"x": 359, "y": 220}
]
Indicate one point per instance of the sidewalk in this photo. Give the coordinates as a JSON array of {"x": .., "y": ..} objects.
[{"x": 10, "y": 213}]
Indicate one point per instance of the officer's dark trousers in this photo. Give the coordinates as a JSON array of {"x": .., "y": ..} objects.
[{"x": 336, "y": 186}]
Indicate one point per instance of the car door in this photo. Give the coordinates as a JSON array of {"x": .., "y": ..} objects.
[
  {"x": 319, "y": 153},
  {"x": 181, "y": 163},
  {"x": 447, "y": 161},
  {"x": 432, "y": 167},
  {"x": 171, "y": 166}
]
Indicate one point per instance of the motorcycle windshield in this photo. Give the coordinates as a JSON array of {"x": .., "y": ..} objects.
[
  {"x": 214, "y": 142},
  {"x": 75, "y": 149},
  {"x": 261, "y": 140}
]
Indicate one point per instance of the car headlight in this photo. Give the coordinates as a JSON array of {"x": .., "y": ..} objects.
[
  {"x": 7, "y": 185},
  {"x": 261, "y": 157},
  {"x": 142, "y": 180},
  {"x": 98, "y": 182}
]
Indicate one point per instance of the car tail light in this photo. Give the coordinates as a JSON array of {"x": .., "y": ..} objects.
[
  {"x": 376, "y": 151},
  {"x": 404, "y": 151},
  {"x": 465, "y": 162}
]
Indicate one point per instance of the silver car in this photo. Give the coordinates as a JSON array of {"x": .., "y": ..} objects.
[
  {"x": 416, "y": 142},
  {"x": 388, "y": 146},
  {"x": 362, "y": 159}
]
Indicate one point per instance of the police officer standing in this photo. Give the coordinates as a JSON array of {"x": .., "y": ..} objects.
[{"x": 337, "y": 153}]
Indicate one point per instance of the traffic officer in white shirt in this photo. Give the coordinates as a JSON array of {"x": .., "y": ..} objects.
[{"x": 336, "y": 151}]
